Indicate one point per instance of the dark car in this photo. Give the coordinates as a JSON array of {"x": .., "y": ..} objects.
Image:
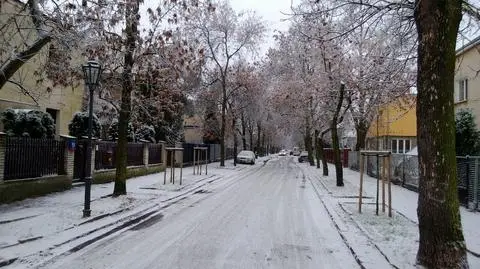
[{"x": 303, "y": 157}]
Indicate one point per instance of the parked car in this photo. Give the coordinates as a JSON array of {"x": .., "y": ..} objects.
[
  {"x": 296, "y": 151},
  {"x": 303, "y": 157},
  {"x": 246, "y": 156}
]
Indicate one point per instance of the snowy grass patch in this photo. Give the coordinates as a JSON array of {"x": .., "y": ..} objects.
[{"x": 396, "y": 237}]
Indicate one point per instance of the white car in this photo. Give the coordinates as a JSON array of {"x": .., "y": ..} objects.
[
  {"x": 246, "y": 156},
  {"x": 282, "y": 153}
]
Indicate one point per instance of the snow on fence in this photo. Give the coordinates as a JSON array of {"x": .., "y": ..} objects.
[
  {"x": 405, "y": 172},
  {"x": 31, "y": 158}
]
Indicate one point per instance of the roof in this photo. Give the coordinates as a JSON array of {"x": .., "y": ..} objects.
[{"x": 468, "y": 46}]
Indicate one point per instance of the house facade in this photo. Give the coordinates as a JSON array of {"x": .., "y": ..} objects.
[
  {"x": 193, "y": 129},
  {"x": 467, "y": 80},
  {"x": 29, "y": 90},
  {"x": 395, "y": 128}
]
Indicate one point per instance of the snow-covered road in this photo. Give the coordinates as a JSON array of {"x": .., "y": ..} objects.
[{"x": 271, "y": 218}]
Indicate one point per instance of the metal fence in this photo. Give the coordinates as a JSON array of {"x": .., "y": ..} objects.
[
  {"x": 105, "y": 153},
  {"x": 344, "y": 153},
  {"x": 155, "y": 153},
  {"x": 405, "y": 172},
  {"x": 31, "y": 158},
  {"x": 135, "y": 154}
]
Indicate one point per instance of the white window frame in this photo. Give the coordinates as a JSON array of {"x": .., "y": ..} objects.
[
  {"x": 397, "y": 149},
  {"x": 462, "y": 94}
]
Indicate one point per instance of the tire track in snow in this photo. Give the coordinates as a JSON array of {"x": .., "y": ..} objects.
[{"x": 82, "y": 241}]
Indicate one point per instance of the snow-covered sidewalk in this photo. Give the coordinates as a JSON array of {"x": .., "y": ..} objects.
[
  {"x": 396, "y": 238},
  {"x": 37, "y": 224}
]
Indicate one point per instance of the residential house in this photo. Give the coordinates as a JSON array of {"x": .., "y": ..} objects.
[
  {"x": 395, "y": 128},
  {"x": 193, "y": 128},
  {"x": 467, "y": 80},
  {"x": 26, "y": 90}
]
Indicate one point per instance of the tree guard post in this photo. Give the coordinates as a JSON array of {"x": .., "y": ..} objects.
[
  {"x": 384, "y": 174},
  {"x": 384, "y": 160},
  {"x": 173, "y": 152},
  {"x": 362, "y": 157},
  {"x": 200, "y": 158}
]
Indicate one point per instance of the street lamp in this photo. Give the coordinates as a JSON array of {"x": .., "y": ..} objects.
[{"x": 91, "y": 73}]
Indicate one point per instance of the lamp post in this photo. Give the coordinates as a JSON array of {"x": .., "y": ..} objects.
[{"x": 91, "y": 71}]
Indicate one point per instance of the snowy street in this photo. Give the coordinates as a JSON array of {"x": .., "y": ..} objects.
[
  {"x": 270, "y": 218},
  {"x": 277, "y": 214}
]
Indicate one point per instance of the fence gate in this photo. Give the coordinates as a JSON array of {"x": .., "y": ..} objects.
[{"x": 79, "y": 160}]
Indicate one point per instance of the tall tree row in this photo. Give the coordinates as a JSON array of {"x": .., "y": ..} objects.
[{"x": 226, "y": 35}]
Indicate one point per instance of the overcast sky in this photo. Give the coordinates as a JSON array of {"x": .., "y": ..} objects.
[{"x": 271, "y": 12}]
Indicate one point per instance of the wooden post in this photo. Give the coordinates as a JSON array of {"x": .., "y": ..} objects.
[
  {"x": 361, "y": 184},
  {"x": 389, "y": 187},
  {"x": 384, "y": 159},
  {"x": 206, "y": 161},
  {"x": 172, "y": 175},
  {"x": 200, "y": 162},
  {"x": 194, "y": 163},
  {"x": 181, "y": 169},
  {"x": 166, "y": 169}
]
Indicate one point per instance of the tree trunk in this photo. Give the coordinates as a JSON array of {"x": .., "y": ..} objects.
[
  {"x": 441, "y": 239},
  {"x": 335, "y": 143},
  {"x": 244, "y": 133},
  {"x": 235, "y": 142},
  {"x": 336, "y": 155},
  {"x": 224, "y": 122},
  {"x": 317, "y": 150},
  {"x": 131, "y": 13},
  {"x": 250, "y": 131},
  {"x": 362, "y": 129},
  {"x": 263, "y": 144},
  {"x": 259, "y": 129},
  {"x": 321, "y": 146}
]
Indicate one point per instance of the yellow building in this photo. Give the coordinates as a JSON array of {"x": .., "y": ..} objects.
[
  {"x": 467, "y": 80},
  {"x": 26, "y": 90},
  {"x": 395, "y": 128}
]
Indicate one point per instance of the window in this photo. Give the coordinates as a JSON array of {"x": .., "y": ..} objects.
[
  {"x": 394, "y": 145},
  {"x": 462, "y": 90},
  {"x": 400, "y": 145}
]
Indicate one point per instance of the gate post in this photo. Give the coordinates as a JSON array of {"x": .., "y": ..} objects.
[
  {"x": 145, "y": 154},
  {"x": 3, "y": 142}
]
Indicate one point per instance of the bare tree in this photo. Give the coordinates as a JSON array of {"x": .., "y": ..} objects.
[
  {"x": 34, "y": 32},
  {"x": 136, "y": 55},
  {"x": 436, "y": 22},
  {"x": 226, "y": 35}
]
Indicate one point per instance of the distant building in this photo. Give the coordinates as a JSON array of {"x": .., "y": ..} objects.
[
  {"x": 27, "y": 92},
  {"x": 467, "y": 80},
  {"x": 395, "y": 129},
  {"x": 193, "y": 127}
]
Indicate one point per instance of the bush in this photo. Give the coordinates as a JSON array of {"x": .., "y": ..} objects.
[
  {"x": 467, "y": 137},
  {"x": 147, "y": 133},
  {"x": 78, "y": 126},
  {"x": 113, "y": 131},
  {"x": 28, "y": 123}
]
